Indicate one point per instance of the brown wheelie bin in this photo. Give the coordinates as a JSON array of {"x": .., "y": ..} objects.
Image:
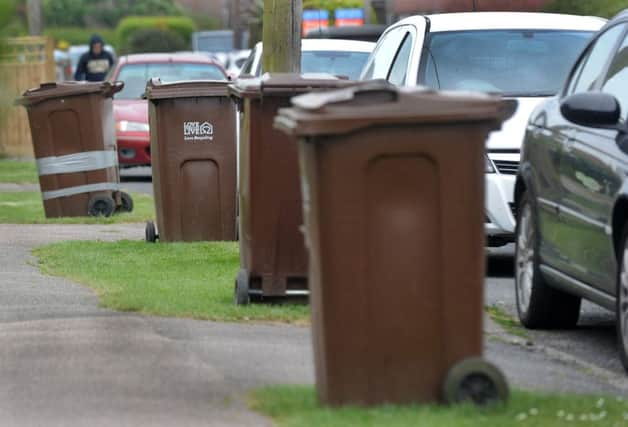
[
  {"x": 193, "y": 155},
  {"x": 393, "y": 205},
  {"x": 273, "y": 260},
  {"x": 74, "y": 140}
]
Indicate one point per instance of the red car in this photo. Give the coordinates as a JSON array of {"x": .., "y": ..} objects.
[{"x": 131, "y": 111}]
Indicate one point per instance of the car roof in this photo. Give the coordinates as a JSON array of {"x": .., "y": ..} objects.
[
  {"x": 141, "y": 58},
  {"x": 506, "y": 21},
  {"x": 337, "y": 45}
]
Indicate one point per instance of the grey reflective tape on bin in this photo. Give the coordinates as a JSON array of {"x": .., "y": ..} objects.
[
  {"x": 80, "y": 189},
  {"x": 78, "y": 162}
]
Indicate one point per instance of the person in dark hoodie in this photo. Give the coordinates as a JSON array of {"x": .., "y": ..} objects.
[{"x": 94, "y": 65}]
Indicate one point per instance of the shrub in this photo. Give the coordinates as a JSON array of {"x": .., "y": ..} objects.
[
  {"x": 79, "y": 35},
  {"x": 153, "y": 40},
  {"x": 64, "y": 12},
  {"x": 182, "y": 26},
  {"x": 606, "y": 8}
]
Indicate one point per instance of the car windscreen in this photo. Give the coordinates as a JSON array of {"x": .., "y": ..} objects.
[
  {"x": 135, "y": 76},
  {"x": 511, "y": 62},
  {"x": 334, "y": 62}
]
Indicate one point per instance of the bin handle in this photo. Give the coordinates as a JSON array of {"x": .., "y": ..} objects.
[
  {"x": 113, "y": 88},
  {"x": 375, "y": 91}
]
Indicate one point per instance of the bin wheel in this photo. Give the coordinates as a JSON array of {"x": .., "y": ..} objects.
[
  {"x": 151, "y": 232},
  {"x": 127, "y": 202},
  {"x": 242, "y": 296},
  {"x": 476, "y": 381},
  {"x": 101, "y": 206}
]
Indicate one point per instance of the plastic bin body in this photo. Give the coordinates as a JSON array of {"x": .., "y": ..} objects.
[
  {"x": 73, "y": 132},
  {"x": 193, "y": 149},
  {"x": 272, "y": 250},
  {"x": 393, "y": 212}
]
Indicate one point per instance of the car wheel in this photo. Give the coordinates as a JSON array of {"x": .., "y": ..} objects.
[
  {"x": 539, "y": 305},
  {"x": 622, "y": 299}
]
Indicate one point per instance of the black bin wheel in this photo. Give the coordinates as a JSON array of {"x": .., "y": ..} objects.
[
  {"x": 151, "y": 232},
  {"x": 476, "y": 381},
  {"x": 242, "y": 296},
  {"x": 127, "y": 202},
  {"x": 101, "y": 206}
]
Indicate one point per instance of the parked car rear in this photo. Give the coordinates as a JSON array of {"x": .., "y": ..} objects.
[{"x": 131, "y": 111}]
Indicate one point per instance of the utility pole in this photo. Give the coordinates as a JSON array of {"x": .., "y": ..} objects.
[
  {"x": 367, "y": 12},
  {"x": 35, "y": 19},
  {"x": 282, "y": 36}
]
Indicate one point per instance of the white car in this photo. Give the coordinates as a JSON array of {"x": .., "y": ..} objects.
[
  {"x": 331, "y": 56},
  {"x": 526, "y": 56},
  {"x": 237, "y": 58}
]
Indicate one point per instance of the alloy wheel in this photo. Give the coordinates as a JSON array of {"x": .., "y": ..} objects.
[
  {"x": 524, "y": 267},
  {"x": 623, "y": 297}
]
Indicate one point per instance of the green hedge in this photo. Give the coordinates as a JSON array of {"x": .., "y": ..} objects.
[
  {"x": 605, "y": 8},
  {"x": 181, "y": 25},
  {"x": 79, "y": 35},
  {"x": 153, "y": 40}
]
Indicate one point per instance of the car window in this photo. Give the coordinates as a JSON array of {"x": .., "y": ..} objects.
[
  {"x": 336, "y": 62},
  {"x": 616, "y": 81},
  {"x": 384, "y": 54},
  {"x": 511, "y": 62},
  {"x": 135, "y": 76},
  {"x": 400, "y": 65},
  {"x": 590, "y": 71},
  {"x": 247, "y": 68}
]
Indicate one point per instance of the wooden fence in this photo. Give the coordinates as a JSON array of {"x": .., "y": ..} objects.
[{"x": 25, "y": 62}]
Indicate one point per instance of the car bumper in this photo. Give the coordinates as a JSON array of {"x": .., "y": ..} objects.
[
  {"x": 133, "y": 150},
  {"x": 500, "y": 221}
]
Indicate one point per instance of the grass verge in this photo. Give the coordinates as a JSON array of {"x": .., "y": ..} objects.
[
  {"x": 297, "y": 406},
  {"x": 168, "y": 279},
  {"x": 18, "y": 171},
  {"x": 506, "y": 321},
  {"x": 26, "y": 207}
]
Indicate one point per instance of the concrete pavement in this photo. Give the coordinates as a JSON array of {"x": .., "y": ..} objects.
[{"x": 67, "y": 362}]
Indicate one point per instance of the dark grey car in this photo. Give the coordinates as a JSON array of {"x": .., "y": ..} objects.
[{"x": 572, "y": 193}]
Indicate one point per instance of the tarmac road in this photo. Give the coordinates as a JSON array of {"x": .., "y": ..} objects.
[{"x": 592, "y": 342}]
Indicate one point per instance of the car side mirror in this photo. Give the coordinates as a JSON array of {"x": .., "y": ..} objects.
[{"x": 592, "y": 109}]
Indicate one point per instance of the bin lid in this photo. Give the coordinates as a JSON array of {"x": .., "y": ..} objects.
[
  {"x": 285, "y": 84},
  {"x": 53, "y": 90},
  {"x": 379, "y": 102},
  {"x": 156, "y": 89}
]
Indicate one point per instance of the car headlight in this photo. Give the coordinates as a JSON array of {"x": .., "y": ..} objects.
[
  {"x": 126, "y": 126},
  {"x": 489, "y": 168}
]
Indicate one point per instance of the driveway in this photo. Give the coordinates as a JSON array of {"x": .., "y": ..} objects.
[{"x": 67, "y": 362}]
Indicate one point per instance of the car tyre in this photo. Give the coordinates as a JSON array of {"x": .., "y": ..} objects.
[
  {"x": 539, "y": 306},
  {"x": 622, "y": 299}
]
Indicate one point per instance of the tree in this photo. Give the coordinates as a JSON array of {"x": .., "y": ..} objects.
[{"x": 65, "y": 13}]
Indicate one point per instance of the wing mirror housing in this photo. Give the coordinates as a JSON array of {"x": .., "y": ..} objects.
[{"x": 593, "y": 109}]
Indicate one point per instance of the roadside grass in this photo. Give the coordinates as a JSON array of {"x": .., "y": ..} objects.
[
  {"x": 506, "y": 321},
  {"x": 194, "y": 280},
  {"x": 290, "y": 406},
  {"x": 26, "y": 207},
  {"x": 18, "y": 171}
]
